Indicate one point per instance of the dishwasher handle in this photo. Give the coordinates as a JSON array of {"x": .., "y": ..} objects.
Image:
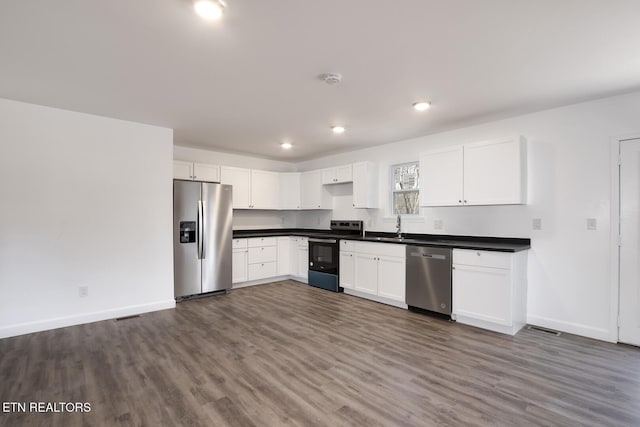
[{"x": 430, "y": 256}]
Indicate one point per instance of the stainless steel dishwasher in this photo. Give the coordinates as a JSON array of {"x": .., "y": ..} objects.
[{"x": 429, "y": 278}]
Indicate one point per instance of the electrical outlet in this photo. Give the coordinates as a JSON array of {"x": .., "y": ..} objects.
[
  {"x": 437, "y": 224},
  {"x": 537, "y": 223},
  {"x": 591, "y": 224},
  {"x": 83, "y": 291}
]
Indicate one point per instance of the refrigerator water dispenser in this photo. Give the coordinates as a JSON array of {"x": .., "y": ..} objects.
[{"x": 187, "y": 231}]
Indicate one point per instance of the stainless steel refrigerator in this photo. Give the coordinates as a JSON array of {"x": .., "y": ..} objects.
[{"x": 202, "y": 233}]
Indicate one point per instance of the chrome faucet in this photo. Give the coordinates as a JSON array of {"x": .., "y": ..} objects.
[{"x": 399, "y": 227}]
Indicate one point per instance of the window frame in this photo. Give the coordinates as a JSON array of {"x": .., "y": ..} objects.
[{"x": 393, "y": 191}]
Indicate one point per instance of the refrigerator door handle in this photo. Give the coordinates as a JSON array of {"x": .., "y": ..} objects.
[
  {"x": 205, "y": 226},
  {"x": 200, "y": 230}
]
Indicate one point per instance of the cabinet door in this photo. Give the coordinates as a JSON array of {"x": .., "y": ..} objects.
[
  {"x": 391, "y": 278},
  {"x": 441, "y": 177},
  {"x": 365, "y": 186},
  {"x": 495, "y": 172},
  {"x": 303, "y": 261},
  {"x": 263, "y": 254},
  {"x": 344, "y": 173},
  {"x": 329, "y": 176},
  {"x": 312, "y": 194},
  {"x": 182, "y": 170},
  {"x": 204, "y": 172},
  {"x": 482, "y": 293},
  {"x": 283, "y": 256},
  {"x": 293, "y": 255},
  {"x": 290, "y": 191},
  {"x": 265, "y": 190},
  {"x": 263, "y": 270},
  {"x": 240, "y": 179},
  {"x": 239, "y": 266},
  {"x": 347, "y": 270},
  {"x": 366, "y": 273}
]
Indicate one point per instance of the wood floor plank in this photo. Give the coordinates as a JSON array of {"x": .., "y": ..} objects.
[{"x": 289, "y": 354}]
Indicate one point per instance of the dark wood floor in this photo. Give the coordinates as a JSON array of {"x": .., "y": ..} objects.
[{"x": 289, "y": 354}]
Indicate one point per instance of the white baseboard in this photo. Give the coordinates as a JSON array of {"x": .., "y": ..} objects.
[
  {"x": 375, "y": 298},
  {"x": 268, "y": 280},
  {"x": 63, "y": 322},
  {"x": 571, "y": 328}
]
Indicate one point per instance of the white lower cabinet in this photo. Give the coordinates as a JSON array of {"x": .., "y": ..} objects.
[
  {"x": 366, "y": 273},
  {"x": 378, "y": 271},
  {"x": 262, "y": 270},
  {"x": 284, "y": 257},
  {"x": 303, "y": 260},
  {"x": 490, "y": 289},
  {"x": 239, "y": 258},
  {"x": 391, "y": 277},
  {"x": 347, "y": 270},
  {"x": 262, "y": 258}
]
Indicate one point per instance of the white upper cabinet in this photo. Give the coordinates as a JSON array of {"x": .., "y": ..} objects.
[
  {"x": 252, "y": 189},
  {"x": 290, "y": 191},
  {"x": 365, "y": 185},
  {"x": 240, "y": 179},
  {"x": 196, "y": 171},
  {"x": 484, "y": 173},
  {"x": 182, "y": 170},
  {"x": 205, "y": 172},
  {"x": 337, "y": 175},
  {"x": 441, "y": 177},
  {"x": 312, "y": 194},
  {"x": 495, "y": 172},
  {"x": 265, "y": 190}
]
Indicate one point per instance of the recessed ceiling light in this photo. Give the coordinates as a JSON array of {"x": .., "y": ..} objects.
[
  {"x": 338, "y": 129},
  {"x": 286, "y": 145},
  {"x": 209, "y": 9},
  {"x": 421, "y": 105}
]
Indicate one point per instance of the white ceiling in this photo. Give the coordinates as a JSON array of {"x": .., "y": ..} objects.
[{"x": 251, "y": 80}]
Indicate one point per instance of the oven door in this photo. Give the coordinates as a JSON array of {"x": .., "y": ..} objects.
[{"x": 323, "y": 255}]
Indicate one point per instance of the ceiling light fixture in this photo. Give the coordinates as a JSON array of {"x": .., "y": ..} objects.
[
  {"x": 421, "y": 105},
  {"x": 209, "y": 9},
  {"x": 338, "y": 129},
  {"x": 286, "y": 145},
  {"x": 331, "y": 78}
]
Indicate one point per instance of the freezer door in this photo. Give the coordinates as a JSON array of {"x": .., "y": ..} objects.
[
  {"x": 186, "y": 239},
  {"x": 216, "y": 246}
]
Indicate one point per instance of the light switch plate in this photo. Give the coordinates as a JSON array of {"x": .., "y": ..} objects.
[
  {"x": 592, "y": 224},
  {"x": 536, "y": 223},
  {"x": 437, "y": 224}
]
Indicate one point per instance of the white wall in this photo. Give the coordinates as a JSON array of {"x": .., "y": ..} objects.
[
  {"x": 569, "y": 181},
  {"x": 244, "y": 219},
  {"x": 86, "y": 201}
]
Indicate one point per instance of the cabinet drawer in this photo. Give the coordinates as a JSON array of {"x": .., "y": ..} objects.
[
  {"x": 264, "y": 254},
  {"x": 262, "y": 271},
  {"x": 239, "y": 243},
  {"x": 256, "y": 242},
  {"x": 346, "y": 245},
  {"x": 383, "y": 249},
  {"x": 482, "y": 258}
]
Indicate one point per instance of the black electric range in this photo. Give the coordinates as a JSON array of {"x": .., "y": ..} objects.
[{"x": 324, "y": 254}]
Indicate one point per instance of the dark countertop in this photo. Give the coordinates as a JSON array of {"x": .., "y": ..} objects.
[{"x": 499, "y": 244}]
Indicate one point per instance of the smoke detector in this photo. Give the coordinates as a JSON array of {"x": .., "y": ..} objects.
[{"x": 331, "y": 78}]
